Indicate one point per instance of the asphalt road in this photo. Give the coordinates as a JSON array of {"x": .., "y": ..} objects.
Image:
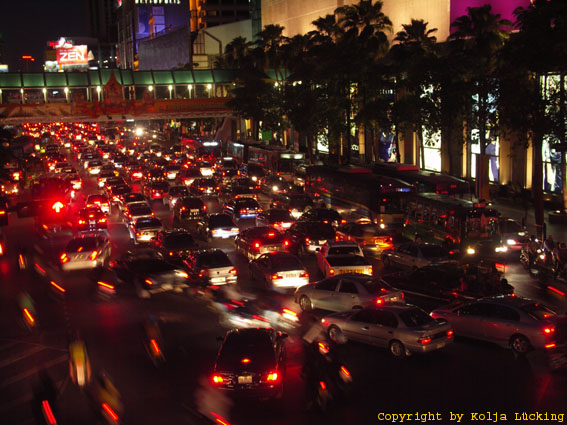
[{"x": 467, "y": 376}]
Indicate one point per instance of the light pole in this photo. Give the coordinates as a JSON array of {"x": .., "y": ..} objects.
[
  {"x": 44, "y": 90},
  {"x": 170, "y": 88},
  {"x": 190, "y": 90},
  {"x": 209, "y": 87},
  {"x": 66, "y": 90},
  {"x": 98, "y": 92}
]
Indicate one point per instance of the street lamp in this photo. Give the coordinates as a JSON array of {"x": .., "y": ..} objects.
[
  {"x": 66, "y": 90},
  {"x": 44, "y": 90},
  {"x": 98, "y": 92},
  {"x": 209, "y": 87},
  {"x": 170, "y": 88},
  {"x": 22, "y": 94},
  {"x": 189, "y": 88}
]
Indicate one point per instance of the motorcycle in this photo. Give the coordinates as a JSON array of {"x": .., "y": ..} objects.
[
  {"x": 79, "y": 364},
  {"x": 525, "y": 258},
  {"x": 153, "y": 343}
]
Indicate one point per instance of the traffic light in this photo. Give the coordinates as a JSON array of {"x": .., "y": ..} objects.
[{"x": 57, "y": 207}]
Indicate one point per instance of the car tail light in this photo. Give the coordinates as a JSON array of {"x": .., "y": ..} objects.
[
  {"x": 379, "y": 301},
  {"x": 343, "y": 221},
  {"x": 271, "y": 234},
  {"x": 304, "y": 274},
  {"x": 276, "y": 276},
  {"x": 332, "y": 272},
  {"x": 102, "y": 220},
  {"x": 170, "y": 253},
  {"x": 82, "y": 221},
  {"x": 259, "y": 210},
  {"x": 548, "y": 330},
  {"x": 234, "y": 229},
  {"x": 48, "y": 413},
  {"x": 155, "y": 347},
  {"x": 138, "y": 234},
  {"x": 257, "y": 245},
  {"x": 245, "y": 360},
  {"x": 94, "y": 255},
  {"x": 286, "y": 243},
  {"x": 217, "y": 379},
  {"x": 243, "y": 211},
  {"x": 1, "y": 249},
  {"x": 109, "y": 411},
  {"x": 370, "y": 270},
  {"x": 307, "y": 240},
  {"x": 552, "y": 345},
  {"x": 115, "y": 198},
  {"x": 201, "y": 188},
  {"x": 289, "y": 314},
  {"x": 273, "y": 377},
  {"x": 233, "y": 271},
  {"x": 2, "y": 212},
  {"x": 402, "y": 295},
  {"x": 450, "y": 333},
  {"x": 204, "y": 208},
  {"x": 149, "y": 282},
  {"x": 105, "y": 285},
  {"x": 204, "y": 272},
  {"x": 425, "y": 340},
  {"x": 64, "y": 259}
]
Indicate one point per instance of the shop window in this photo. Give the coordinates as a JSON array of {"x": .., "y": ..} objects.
[
  {"x": 431, "y": 150},
  {"x": 492, "y": 151},
  {"x": 551, "y": 165}
]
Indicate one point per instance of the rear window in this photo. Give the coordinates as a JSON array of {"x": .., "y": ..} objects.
[
  {"x": 321, "y": 230},
  {"x": 433, "y": 251},
  {"x": 256, "y": 170},
  {"x": 247, "y": 203},
  {"x": 538, "y": 311},
  {"x": 147, "y": 223},
  {"x": 328, "y": 215},
  {"x": 257, "y": 348},
  {"x": 160, "y": 186},
  {"x": 220, "y": 221},
  {"x": 343, "y": 250},
  {"x": 375, "y": 286},
  {"x": 280, "y": 215},
  {"x": 179, "y": 241},
  {"x": 285, "y": 262},
  {"x": 354, "y": 260},
  {"x": 192, "y": 203},
  {"x": 97, "y": 198},
  {"x": 140, "y": 209},
  {"x": 178, "y": 191},
  {"x": 415, "y": 317},
  {"x": 81, "y": 244},
  {"x": 213, "y": 259}
]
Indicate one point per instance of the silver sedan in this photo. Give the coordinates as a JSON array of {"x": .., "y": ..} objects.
[{"x": 401, "y": 328}]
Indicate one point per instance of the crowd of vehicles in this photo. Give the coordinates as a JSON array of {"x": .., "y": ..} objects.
[{"x": 428, "y": 240}]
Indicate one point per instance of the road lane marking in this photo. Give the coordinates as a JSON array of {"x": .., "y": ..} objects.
[
  {"x": 47, "y": 347},
  {"x": 7, "y": 382},
  {"x": 29, "y": 352},
  {"x": 25, "y": 398}
]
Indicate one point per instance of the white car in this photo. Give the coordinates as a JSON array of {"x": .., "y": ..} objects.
[
  {"x": 336, "y": 258},
  {"x": 144, "y": 229},
  {"x": 279, "y": 270},
  {"x": 85, "y": 252}
]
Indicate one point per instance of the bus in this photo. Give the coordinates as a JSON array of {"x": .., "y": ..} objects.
[
  {"x": 459, "y": 224},
  {"x": 239, "y": 150},
  {"x": 424, "y": 181},
  {"x": 276, "y": 159},
  {"x": 361, "y": 193}
]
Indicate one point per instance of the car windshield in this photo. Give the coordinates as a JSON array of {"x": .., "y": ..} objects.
[
  {"x": 146, "y": 223},
  {"x": 134, "y": 197},
  {"x": 343, "y": 250},
  {"x": 221, "y": 221},
  {"x": 433, "y": 251},
  {"x": 179, "y": 241},
  {"x": 160, "y": 186},
  {"x": 286, "y": 262},
  {"x": 538, "y": 311},
  {"x": 192, "y": 203},
  {"x": 254, "y": 346},
  {"x": 214, "y": 259},
  {"x": 81, "y": 244},
  {"x": 415, "y": 317}
]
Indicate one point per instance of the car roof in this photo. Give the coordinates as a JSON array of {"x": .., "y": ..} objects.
[
  {"x": 342, "y": 243},
  {"x": 509, "y": 300}
]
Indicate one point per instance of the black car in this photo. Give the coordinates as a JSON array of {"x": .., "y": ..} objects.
[
  {"x": 149, "y": 273},
  {"x": 156, "y": 191},
  {"x": 255, "y": 172},
  {"x": 325, "y": 215},
  {"x": 251, "y": 363},
  {"x": 174, "y": 194},
  {"x": 189, "y": 209},
  {"x": 3, "y": 211},
  {"x": 215, "y": 226},
  {"x": 309, "y": 236},
  {"x": 174, "y": 244},
  {"x": 295, "y": 203},
  {"x": 243, "y": 208},
  {"x": 204, "y": 186}
]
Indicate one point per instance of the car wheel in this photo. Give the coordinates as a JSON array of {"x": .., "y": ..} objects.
[
  {"x": 387, "y": 262},
  {"x": 336, "y": 335},
  {"x": 520, "y": 344},
  {"x": 397, "y": 349},
  {"x": 305, "y": 303}
]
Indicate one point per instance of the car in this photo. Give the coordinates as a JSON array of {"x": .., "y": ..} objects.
[
  {"x": 245, "y": 182},
  {"x": 3, "y": 210},
  {"x": 237, "y": 192},
  {"x": 225, "y": 176},
  {"x": 308, "y": 237},
  {"x": 144, "y": 229},
  {"x": 256, "y": 241},
  {"x": 174, "y": 194},
  {"x": 90, "y": 219},
  {"x": 98, "y": 200},
  {"x": 279, "y": 270},
  {"x": 137, "y": 210},
  {"x": 156, "y": 191},
  {"x": 413, "y": 255},
  {"x": 210, "y": 267},
  {"x": 279, "y": 218},
  {"x": 189, "y": 210},
  {"x": 242, "y": 208},
  {"x": 149, "y": 273},
  {"x": 227, "y": 163},
  {"x": 171, "y": 171},
  {"x": 103, "y": 175},
  {"x": 94, "y": 167},
  {"x": 131, "y": 198},
  {"x": 217, "y": 226},
  {"x": 508, "y": 321},
  {"x": 295, "y": 203},
  {"x": 204, "y": 186},
  {"x": 368, "y": 235},
  {"x": 136, "y": 172},
  {"x": 345, "y": 292},
  {"x": 403, "y": 329},
  {"x": 255, "y": 172},
  {"x": 513, "y": 234},
  {"x": 174, "y": 244},
  {"x": 74, "y": 180},
  {"x": 187, "y": 176},
  {"x": 153, "y": 175},
  {"x": 251, "y": 363},
  {"x": 85, "y": 252},
  {"x": 335, "y": 258},
  {"x": 325, "y": 215},
  {"x": 206, "y": 168},
  {"x": 275, "y": 184}
]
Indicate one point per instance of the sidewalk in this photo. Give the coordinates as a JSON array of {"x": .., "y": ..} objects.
[{"x": 517, "y": 212}]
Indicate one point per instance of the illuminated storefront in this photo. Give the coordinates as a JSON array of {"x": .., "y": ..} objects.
[{"x": 431, "y": 150}]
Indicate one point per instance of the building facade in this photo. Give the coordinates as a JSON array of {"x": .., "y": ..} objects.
[
  {"x": 210, "y": 13},
  {"x": 102, "y": 25}
]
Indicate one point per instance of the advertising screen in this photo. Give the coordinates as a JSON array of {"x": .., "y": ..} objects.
[{"x": 76, "y": 55}]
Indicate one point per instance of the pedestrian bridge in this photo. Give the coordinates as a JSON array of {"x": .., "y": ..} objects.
[{"x": 114, "y": 94}]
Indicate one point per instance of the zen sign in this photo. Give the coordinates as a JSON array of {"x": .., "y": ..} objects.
[{"x": 76, "y": 55}]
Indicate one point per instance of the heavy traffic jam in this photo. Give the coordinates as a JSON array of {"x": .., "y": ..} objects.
[{"x": 147, "y": 280}]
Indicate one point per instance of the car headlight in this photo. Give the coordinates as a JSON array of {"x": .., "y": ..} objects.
[
  {"x": 471, "y": 251},
  {"x": 275, "y": 188},
  {"x": 382, "y": 226},
  {"x": 542, "y": 256},
  {"x": 511, "y": 242},
  {"x": 501, "y": 249}
]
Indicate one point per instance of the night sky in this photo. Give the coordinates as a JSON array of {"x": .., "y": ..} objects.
[{"x": 27, "y": 25}]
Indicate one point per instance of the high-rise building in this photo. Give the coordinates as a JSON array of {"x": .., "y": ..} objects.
[
  {"x": 102, "y": 25},
  {"x": 210, "y": 13}
]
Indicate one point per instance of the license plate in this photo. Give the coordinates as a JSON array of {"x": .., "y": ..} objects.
[
  {"x": 92, "y": 222},
  {"x": 441, "y": 345},
  {"x": 394, "y": 299},
  {"x": 245, "y": 379},
  {"x": 194, "y": 211},
  {"x": 167, "y": 286}
]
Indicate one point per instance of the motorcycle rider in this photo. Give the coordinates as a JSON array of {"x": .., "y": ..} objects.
[
  {"x": 548, "y": 248},
  {"x": 78, "y": 356},
  {"x": 560, "y": 257},
  {"x": 533, "y": 246}
]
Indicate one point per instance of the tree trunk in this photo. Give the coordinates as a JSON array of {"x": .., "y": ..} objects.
[
  {"x": 482, "y": 175},
  {"x": 537, "y": 182},
  {"x": 562, "y": 139}
]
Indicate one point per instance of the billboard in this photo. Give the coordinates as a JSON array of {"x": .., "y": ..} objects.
[{"x": 72, "y": 56}]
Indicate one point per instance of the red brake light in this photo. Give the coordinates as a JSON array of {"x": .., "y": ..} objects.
[
  {"x": 552, "y": 345},
  {"x": 450, "y": 333},
  {"x": 110, "y": 412},
  {"x": 286, "y": 243},
  {"x": 64, "y": 258},
  {"x": 48, "y": 412},
  {"x": 82, "y": 221},
  {"x": 548, "y": 330},
  {"x": 307, "y": 240},
  {"x": 245, "y": 360},
  {"x": 155, "y": 347},
  {"x": 425, "y": 340},
  {"x": 271, "y": 234},
  {"x": 217, "y": 379},
  {"x": 102, "y": 220},
  {"x": 379, "y": 301},
  {"x": 56, "y": 286},
  {"x": 287, "y": 311},
  {"x": 94, "y": 255},
  {"x": 233, "y": 271},
  {"x": 276, "y": 276},
  {"x": 332, "y": 272},
  {"x": 257, "y": 245},
  {"x": 273, "y": 377},
  {"x": 305, "y": 274},
  {"x": 149, "y": 282},
  {"x": 345, "y": 371}
]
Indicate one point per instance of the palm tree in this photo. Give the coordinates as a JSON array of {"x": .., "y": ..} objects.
[
  {"x": 481, "y": 34},
  {"x": 237, "y": 51}
]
